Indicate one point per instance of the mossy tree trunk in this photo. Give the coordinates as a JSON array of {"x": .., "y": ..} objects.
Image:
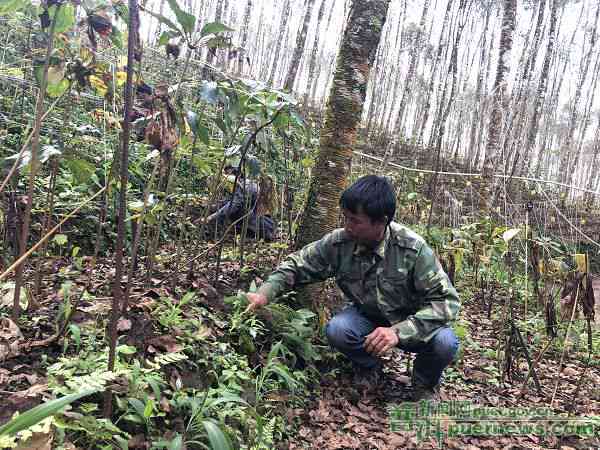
[{"x": 342, "y": 117}]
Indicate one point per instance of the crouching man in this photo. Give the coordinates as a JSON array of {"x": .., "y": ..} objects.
[{"x": 398, "y": 293}]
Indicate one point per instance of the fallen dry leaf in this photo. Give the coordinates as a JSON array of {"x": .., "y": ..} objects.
[
  {"x": 10, "y": 336},
  {"x": 123, "y": 324},
  {"x": 570, "y": 372},
  {"x": 39, "y": 441},
  {"x": 166, "y": 343}
]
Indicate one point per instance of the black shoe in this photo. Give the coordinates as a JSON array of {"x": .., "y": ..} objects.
[{"x": 424, "y": 392}]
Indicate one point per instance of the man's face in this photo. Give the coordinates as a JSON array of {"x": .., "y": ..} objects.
[{"x": 361, "y": 228}]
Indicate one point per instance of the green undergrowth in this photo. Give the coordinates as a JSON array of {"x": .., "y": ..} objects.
[{"x": 206, "y": 383}]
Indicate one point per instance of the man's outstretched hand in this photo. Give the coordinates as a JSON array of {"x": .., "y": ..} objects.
[
  {"x": 381, "y": 340},
  {"x": 257, "y": 301}
]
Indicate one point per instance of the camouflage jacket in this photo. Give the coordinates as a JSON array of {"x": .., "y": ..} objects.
[{"x": 400, "y": 281}]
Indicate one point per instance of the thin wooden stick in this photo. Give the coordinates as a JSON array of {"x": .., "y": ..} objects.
[{"x": 564, "y": 350}]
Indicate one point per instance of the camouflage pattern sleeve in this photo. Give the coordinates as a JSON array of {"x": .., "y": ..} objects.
[
  {"x": 437, "y": 297},
  {"x": 315, "y": 262}
]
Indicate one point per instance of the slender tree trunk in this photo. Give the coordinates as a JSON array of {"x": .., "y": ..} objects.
[
  {"x": 415, "y": 50},
  {"x": 499, "y": 105},
  {"x": 313, "y": 53},
  {"x": 594, "y": 165},
  {"x": 584, "y": 124},
  {"x": 321, "y": 58},
  {"x": 398, "y": 74},
  {"x": 473, "y": 149},
  {"x": 424, "y": 116},
  {"x": 47, "y": 221},
  {"x": 243, "y": 52},
  {"x": 299, "y": 50},
  {"x": 513, "y": 148},
  {"x": 124, "y": 171},
  {"x": 571, "y": 156},
  {"x": 557, "y": 83},
  {"x": 211, "y": 53},
  {"x": 444, "y": 117},
  {"x": 484, "y": 103},
  {"x": 281, "y": 37},
  {"x": 542, "y": 87}
]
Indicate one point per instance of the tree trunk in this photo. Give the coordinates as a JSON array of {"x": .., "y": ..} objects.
[
  {"x": 342, "y": 117},
  {"x": 210, "y": 55},
  {"x": 243, "y": 52},
  {"x": 513, "y": 148},
  {"x": 571, "y": 166},
  {"x": 492, "y": 156},
  {"x": 397, "y": 76},
  {"x": 281, "y": 34},
  {"x": 299, "y": 50},
  {"x": 594, "y": 165},
  {"x": 424, "y": 118},
  {"x": 313, "y": 53},
  {"x": 559, "y": 77},
  {"x": 415, "y": 49},
  {"x": 117, "y": 290},
  {"x": 475, "y": 140},
  {"x": 542, "y": 86},
  {"x": 315, "y": 84}
]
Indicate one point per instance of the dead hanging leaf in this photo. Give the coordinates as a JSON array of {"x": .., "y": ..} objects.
[
  {"x": 161, "y": 131},
  {"x": 267, "y": 196},
  {"x": 123, "y": 324}
]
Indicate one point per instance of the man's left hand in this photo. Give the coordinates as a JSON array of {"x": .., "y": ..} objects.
[{"x": 381, "y": 340}]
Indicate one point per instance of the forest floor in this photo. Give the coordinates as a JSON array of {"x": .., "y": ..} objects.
[
  {"x": 335, "y": 415},
  {"x": 341, "y": 419}
]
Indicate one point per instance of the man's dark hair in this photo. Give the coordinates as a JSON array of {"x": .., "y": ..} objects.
[{"x": 371, "y": 195}]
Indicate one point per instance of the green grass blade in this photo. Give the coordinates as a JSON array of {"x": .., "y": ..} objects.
[
  {"x": 40, "y": 412},
  {"x": 218, "y": 439}
]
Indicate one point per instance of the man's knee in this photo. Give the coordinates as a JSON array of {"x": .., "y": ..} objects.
[
  {"x": 445, "y": 344},
  {"x": 340, "y": 333}
]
